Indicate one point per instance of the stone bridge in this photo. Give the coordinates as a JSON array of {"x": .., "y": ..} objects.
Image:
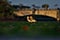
[{"x": 49, "y": 12}]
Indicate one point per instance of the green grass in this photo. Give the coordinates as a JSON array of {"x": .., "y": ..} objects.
[{"x": 38, "y": 28}]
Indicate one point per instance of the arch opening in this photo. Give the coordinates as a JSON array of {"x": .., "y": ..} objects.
[
  {"x": 44, "y": 18},
  {"x": 36, "y": 17}
]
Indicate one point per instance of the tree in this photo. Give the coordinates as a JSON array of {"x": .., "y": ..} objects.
[
  {"x": 45, "y": 6},
  {"x": 3, "y": 4},
  {"x": 56, "y": 6},
  {"x": 20, "y": 4},
  {"x": 6, "y": 8}
]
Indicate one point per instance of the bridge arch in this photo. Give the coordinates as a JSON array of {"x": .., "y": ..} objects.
[{"x": 51, "y": 13}]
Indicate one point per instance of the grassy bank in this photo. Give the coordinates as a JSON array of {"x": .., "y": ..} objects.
[{"x": 34, "y": 29}]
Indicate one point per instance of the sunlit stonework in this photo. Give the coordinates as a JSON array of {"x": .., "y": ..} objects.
[{"x": 49, "y": 12}]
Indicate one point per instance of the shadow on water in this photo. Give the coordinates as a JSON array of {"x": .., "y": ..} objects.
[
  {"x": 44, "y": 18},
  {"x": 37, "y": 17}
]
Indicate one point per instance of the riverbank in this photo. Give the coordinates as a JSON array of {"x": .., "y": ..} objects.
[{"x": 38, "y": 28}]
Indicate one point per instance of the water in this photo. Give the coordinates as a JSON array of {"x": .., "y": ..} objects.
[
  {"x": 29, "y": 38},
  {"x": 38, "y": 18}
]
